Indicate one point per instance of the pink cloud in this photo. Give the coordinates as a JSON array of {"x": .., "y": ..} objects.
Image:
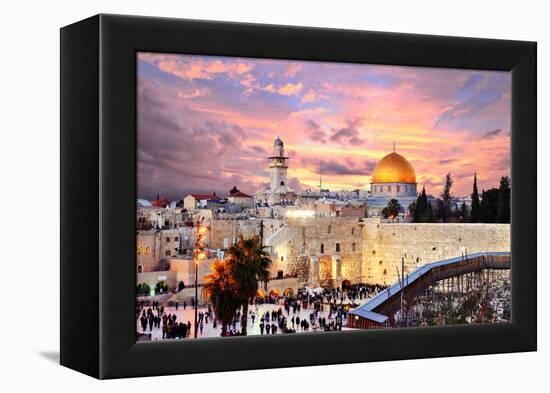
[{"x": 290, "y": 89}]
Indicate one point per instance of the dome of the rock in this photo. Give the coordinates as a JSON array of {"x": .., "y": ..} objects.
[{"x": 393, "y": 168}]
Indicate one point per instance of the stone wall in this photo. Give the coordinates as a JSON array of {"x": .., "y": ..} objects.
[
  {"x": 323, "y": 237},
  {"x": 224, "y": 232},
  {"x": 385, "y": 244}
]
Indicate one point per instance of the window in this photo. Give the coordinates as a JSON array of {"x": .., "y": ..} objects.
[
  {"x": 337, "y": 247},
  {"x": 352, "y": 246},
  {"x": 176, "y": 239},
  {"x": 167, "y": 252},
  {"x": 398, "y": 188},
  {"x": 282, "y": 258},
  {"x": 140, "y": 269},
  {"x": 322, "y": 248},
  {"x": 282, "y": 183},
  {"x": 329, "y": 229},
  {"x": 139, "y": 251},
  {"x": 353, "y": 231},
  {"x": 389, "y": 188},
  {"x": 167, "y": 239}
]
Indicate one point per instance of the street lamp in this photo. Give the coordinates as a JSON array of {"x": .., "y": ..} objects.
[{"x": 199, "y": 254}]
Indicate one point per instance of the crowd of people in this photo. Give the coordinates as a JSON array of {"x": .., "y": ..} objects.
[{"x": 288, "y": 318}]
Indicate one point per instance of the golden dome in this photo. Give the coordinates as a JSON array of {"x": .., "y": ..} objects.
[{"x": 393, "y": 168}]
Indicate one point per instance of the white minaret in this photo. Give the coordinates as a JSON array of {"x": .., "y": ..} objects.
[{"x": 278, "y": 170}]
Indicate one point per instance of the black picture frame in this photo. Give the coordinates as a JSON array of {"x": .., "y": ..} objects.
[{"x": 98, "y": 195}]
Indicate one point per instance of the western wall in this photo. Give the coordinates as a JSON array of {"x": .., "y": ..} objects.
[
  {"x": 385, "y": 244},
  {"x": 327, "y": 251}
]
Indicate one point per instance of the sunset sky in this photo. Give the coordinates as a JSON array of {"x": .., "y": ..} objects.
[{"x": 207, "y": 123}]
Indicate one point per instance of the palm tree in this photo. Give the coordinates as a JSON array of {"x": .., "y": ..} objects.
[
  {"x": 221, "y": 290},
  {"x": 250, "y": 264}
]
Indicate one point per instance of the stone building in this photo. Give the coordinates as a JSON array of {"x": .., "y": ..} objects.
[{"x": 155, "y": 248}]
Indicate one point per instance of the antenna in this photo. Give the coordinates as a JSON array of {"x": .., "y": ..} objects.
[{"x": 320, "y": 179}]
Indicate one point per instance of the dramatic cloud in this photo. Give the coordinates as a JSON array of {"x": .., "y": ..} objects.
[
  {"x": 491, "y": 134},
  {"x": 349, "y": 134},
  {"x": 206, "y": 123}
]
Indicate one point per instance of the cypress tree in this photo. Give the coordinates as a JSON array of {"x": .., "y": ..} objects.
[
  {"x": 427, "y": 213},
  {"x": 445, "y": 209},
  {"x": 503, "y": 204},
  {"x": 463, "y": 213},
  {"x": 418, "y": 209},
  {"x": 475, "y": 215}
]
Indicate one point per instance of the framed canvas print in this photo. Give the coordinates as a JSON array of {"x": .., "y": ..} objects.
[{"x": 239, "y": 196}]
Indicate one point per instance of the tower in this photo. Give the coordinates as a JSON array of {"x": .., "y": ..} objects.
[{"x": 278, "y": 170}]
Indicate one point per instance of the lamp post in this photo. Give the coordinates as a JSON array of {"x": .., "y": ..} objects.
[
  {"x": 196, "y": 295},
  {"x": 198, "y": 255}
]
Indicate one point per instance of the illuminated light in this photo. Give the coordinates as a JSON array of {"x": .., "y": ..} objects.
[
  {"x": 201, "y": 255},
  {"x": 300, "y": 214},
  {"x": 203, "y": 230}
]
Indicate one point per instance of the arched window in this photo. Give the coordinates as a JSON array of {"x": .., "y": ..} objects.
[
  {"x": 353, "y": 231},
  {"x": 329, "y": 229},
  {"x": 140, "y": 269}
]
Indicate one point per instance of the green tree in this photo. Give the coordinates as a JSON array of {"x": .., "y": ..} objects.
[
  {"x": 462, "y": 215},
  {"x": 475, "y": 214},
  {"x": 489, "y": 205},
  {"x": 250, "y": 263},
  {"x": 423, "y": 209},
  {"x": 221, "y": 290},
  {"x": 503, "y": 204},
  {"x": 412, "y": 209},
  {"x": 444, "y": 204},
  {"x": 392, "y": 209}
]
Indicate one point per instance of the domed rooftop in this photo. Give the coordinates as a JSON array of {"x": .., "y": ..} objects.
[
  {"x": 278, "y": 142},
  {"x": 393, "y": 168}
]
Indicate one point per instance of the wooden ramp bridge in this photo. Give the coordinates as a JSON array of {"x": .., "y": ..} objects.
[{"x": 377, "y": 312}]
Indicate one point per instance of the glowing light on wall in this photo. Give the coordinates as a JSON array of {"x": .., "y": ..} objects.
[{"x": 300, "y": 214}]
